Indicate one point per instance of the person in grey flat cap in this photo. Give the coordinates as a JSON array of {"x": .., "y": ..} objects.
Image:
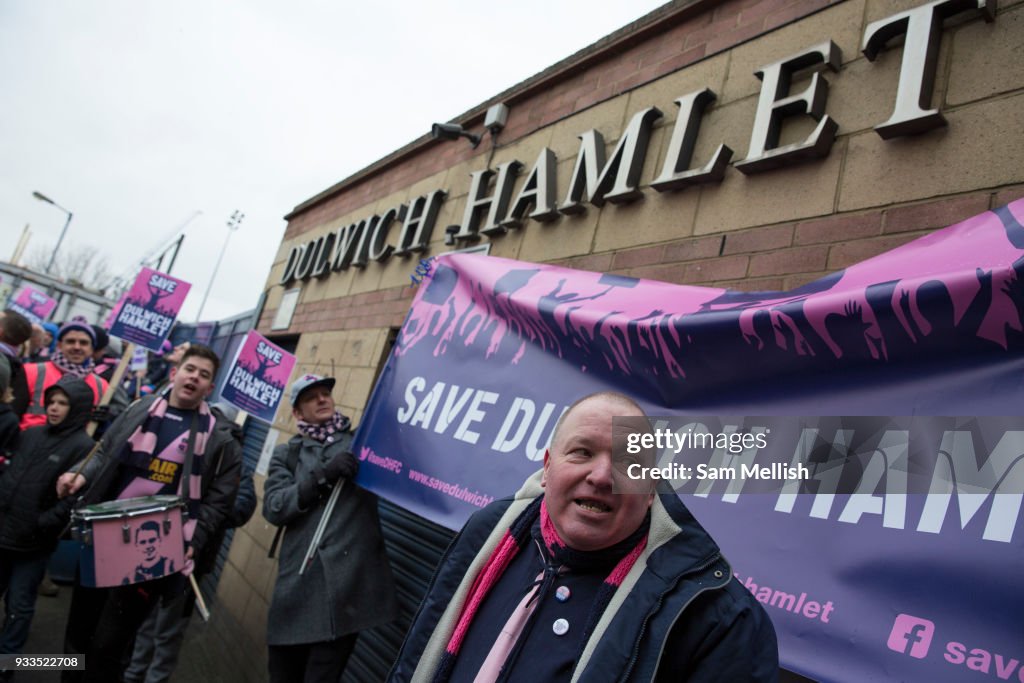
[{"x": 316, "y": 616}]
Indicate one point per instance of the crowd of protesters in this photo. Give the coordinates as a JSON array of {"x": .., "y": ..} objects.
[{"x": 66, "y": 442}]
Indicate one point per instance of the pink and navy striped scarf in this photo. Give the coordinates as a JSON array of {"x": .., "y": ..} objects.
[
  {"x": 138, "y": 454},
  {"x": 515, "y": 538}
]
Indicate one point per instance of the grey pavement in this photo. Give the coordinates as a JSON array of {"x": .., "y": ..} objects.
[
  {"x": 202, "y": 658},
  {"x": 208, "y": 655}
]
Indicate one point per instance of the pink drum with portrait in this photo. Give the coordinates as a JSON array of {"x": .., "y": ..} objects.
[{"x": 124, "y": 542}]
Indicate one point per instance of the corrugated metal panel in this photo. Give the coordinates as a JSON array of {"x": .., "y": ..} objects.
[{"x": 415, "y": 546}]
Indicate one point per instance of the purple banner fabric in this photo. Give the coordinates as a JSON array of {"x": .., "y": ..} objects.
[
  {"x": 33, "y": 304},
  {"x": 494, "y": 350},
  {"x": 148, "y": 310},
  {"x": 257, "y": 379}
]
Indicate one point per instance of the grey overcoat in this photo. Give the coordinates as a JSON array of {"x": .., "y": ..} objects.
[{"x": 348, "y": 587}]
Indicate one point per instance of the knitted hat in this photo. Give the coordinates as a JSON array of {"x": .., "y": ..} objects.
[
  {"x": 77, "y": 324},
  {"x": 101, "y": 337}
]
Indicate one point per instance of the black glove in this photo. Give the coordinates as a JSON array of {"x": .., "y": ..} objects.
[
  {"x": 309, "y": 490},
  {"x": 100, "y": 414},
  {"x": 343, "y": 465}
]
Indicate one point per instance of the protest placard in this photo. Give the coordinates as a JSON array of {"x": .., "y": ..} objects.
[
  {"x": 33, "y": 304},
  {"x": 258, "y": 376},
  {"x": 149, "y": 309},
  {"x": 139, "y": 360}
]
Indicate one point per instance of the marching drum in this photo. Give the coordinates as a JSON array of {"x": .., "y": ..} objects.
[{"x": 129, "y": 541}]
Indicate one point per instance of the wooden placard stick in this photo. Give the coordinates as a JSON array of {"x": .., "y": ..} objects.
[{"x": 129, "y": 349}]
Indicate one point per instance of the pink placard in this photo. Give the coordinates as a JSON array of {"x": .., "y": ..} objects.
[
  {"x": 149, "y": 309},
  {"x": 33, "y": 304},
  {"x": 258, "y": 377}
]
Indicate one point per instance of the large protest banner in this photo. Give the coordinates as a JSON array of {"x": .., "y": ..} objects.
[
  {"x": 258, "y": 376},
  {"x": 145, "y": 314},
  {"x": 866, "y": 583},
  {"x": 33, "y": 304}
]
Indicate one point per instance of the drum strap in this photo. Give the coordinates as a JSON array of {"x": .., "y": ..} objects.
[{"x": 186, "y": 473}]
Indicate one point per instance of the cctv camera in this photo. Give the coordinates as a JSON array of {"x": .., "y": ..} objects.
[
  {"x": 445, "y": 131},
  {"x": 452, "y": 131}
]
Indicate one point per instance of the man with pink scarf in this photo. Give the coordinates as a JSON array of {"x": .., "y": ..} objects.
[
  {"x": 149, "y": 441},
  {"x": 588, "y": 575}
]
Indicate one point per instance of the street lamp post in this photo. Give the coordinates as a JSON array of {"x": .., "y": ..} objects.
[
  {"x": 53, "y": 257},
  {"x": 234, "y": 222}
]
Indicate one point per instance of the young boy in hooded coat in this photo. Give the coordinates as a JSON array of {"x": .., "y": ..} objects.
[
  {"x": 9, "y": 420},
  {"x": 31, "y": 517}
]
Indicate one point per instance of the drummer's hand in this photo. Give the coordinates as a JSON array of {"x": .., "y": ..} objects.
[
  {"x": 69, "y": 483},
  {"x": 189, "y": 564}
]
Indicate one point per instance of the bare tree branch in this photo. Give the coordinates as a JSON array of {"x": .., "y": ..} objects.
[{"x": 75, "y": 264}]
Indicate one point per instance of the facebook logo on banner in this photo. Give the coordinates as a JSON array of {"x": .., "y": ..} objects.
[{"x": 911, "y": 636}]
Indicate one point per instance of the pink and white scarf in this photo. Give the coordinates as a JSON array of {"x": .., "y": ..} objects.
[{"x": 138, "y": 453}]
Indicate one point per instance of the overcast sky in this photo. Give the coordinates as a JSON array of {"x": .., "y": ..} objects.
[{"x": 136, "y": 114}]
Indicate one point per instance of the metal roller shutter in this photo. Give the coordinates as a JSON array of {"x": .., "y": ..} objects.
[{"x": 415, "y": 546}]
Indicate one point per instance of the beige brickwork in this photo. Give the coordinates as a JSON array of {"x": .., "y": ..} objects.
[
  {"x": 841, "y": 24},
  {"x": 743, "y": 201},
  {"x": 607, "y": 118},
  {"x": 980, "y": 148},
  {"x": 978, "y": 73},
  {"x": 650, "y": 220}
]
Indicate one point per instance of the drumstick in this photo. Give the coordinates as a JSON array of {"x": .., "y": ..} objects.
[
  {"x": 105, "y": 400},
  {"x": 81, "y": 466},
  {"x": 200, "y": 603},
  {"x": 129, "y": 348},
  {"x": 88, "y": 457}
]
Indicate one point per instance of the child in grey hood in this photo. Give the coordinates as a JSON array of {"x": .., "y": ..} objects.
[{"x": 31, "y": 517}]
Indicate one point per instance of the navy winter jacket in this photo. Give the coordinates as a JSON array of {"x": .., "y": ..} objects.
[{"x": 681, "y": 615}]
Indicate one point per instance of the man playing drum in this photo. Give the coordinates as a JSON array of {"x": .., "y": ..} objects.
[{"x": 144, "y": 454}]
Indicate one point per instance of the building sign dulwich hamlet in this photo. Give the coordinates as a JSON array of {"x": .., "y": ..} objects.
[{"x": 597, "y": 179}]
